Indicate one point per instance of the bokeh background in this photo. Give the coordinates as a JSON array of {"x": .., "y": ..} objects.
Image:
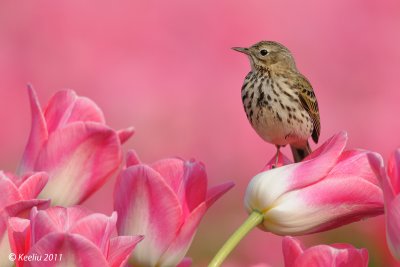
[{"x": 166, "y": 68}]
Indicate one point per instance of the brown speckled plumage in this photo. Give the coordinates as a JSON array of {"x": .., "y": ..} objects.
[{"x": 278, "y": 100}]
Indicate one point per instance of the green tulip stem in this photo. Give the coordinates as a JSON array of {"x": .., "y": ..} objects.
[{"x": 252, "y": 221}]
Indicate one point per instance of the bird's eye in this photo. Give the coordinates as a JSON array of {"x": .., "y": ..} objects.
[{"x": 263, "y": 52}]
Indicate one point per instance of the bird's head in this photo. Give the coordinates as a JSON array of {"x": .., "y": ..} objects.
[{"x": 268, "y": 55}]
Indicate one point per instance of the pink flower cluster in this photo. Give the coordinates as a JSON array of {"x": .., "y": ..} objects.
[
  {"x": 69, "y": 235},
  {"x": 71, "y": 152}
]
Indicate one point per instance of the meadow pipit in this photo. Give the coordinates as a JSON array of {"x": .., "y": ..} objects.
[{"x": 279, "y": 101}]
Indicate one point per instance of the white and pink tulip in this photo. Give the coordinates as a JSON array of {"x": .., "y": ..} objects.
[{"x": 330, "y": 188}]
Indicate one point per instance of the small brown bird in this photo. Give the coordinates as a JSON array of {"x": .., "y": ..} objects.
[{"x": 279, "y": 101}]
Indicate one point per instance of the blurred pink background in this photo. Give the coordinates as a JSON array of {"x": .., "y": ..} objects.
[{"x": 166, "y": 68}]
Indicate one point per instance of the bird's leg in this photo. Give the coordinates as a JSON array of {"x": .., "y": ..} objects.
[{"x": 277, "y": 156}]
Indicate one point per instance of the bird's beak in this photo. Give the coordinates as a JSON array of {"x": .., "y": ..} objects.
[{"x": 243, "y": 50}]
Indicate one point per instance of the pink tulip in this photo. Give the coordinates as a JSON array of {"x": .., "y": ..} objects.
[
  {"x": 328, "y": 189},
  {"x": 165, "y": 202},
  {"x": 390, "y": 183},
  {"x": 17, "y": 197},
  {"x": 71, "y": 142},
  {"x": 74, "y": 235},
  {"x": 340, "y": 255}
]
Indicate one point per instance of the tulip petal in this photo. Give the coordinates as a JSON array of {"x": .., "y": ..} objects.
[
  {"x": 59, "y": 108},
  {"x": 341, "y": 138},
  {"x": 33, "y": 185},
  {"x": 378, "y": 167},
  {"x": 292, "y": 249},
  {"x": 141, "y": 192},
  {"x": 120, "y": 249},
  {"x": 55, "y": 219},
  {"x": 19, "y": 237},
  {"x": 186, "y": 262},
  {"x": 75, "y": 250},
  {"x": 355, "y": 257},
  {"x": 97, "y": 228},
  {"x": 214, "y": 193},
  {"x": 5, "y": 249},
  {"x": 195, "y": 185},
  {"x": 393, "y": 226},
  {"x": 180, "y": 245},
  {"x": 389, "y": 184},
  {"x": 356, "y": 163},
  {"x": 316, "y": 257},
  {"x": 84, "y": 109},
  {"x": 394, "y": 171},
  {"x": 125, "y": 134},
  {"x": 323, "y": 255},
  {"x": 22, "y": 208},
  {"x": 319, "y": 163},
  {"x": 9, "y": 192},
  {"x": 172, "y": 170},
  {"x": 79, "y": 158},
  {"x": 188, "y": 179},
  {"x": 66, "y": 107},
  {"x": 282, "y": 160},
  {"x": 16, "y": 179},
  {"x": 37, "y": 136},
  {"x": 132, "y": 158},
  {"x": 340, "y": 255}
]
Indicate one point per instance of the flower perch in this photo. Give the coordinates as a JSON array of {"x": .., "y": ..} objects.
[{"x": 328, "y": 189}]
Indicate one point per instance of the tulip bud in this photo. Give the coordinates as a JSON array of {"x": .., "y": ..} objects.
[{"x": 336, "y": 255}]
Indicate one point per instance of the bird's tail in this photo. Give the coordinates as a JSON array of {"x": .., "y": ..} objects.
[{"x": 299, "y": 153}]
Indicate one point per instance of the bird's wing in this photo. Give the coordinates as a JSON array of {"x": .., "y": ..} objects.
[{"x": 310, "y": 104}]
